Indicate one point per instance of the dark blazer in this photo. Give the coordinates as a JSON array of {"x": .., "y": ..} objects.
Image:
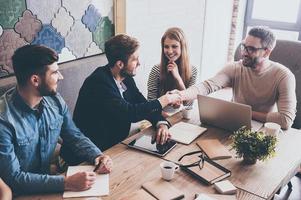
[{"x": 104, "y": 116}]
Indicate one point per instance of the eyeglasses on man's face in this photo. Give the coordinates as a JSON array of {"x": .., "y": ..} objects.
[
  {"x": 250, "y": 49},
  {"x": 195, "y": 158}
]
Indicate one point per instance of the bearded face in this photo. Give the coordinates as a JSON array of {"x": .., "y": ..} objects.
[
  {"x": 125, "y": 72},
  {"x": 249, "y": 61},
  {"x": 49, "y": 80},
  {"x": 130, "y": 68},
  {"x": 45, "y": 90}
]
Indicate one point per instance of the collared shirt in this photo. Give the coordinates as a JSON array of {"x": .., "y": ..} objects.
[
  {"x": 121, "y": 87},
  {"x": 28, "y": 138}
]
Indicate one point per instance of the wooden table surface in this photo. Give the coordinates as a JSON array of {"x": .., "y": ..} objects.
[{"x": 132, "y": 168}]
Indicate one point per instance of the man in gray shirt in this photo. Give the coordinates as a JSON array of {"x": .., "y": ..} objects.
[{"x": 268, "y": 87}]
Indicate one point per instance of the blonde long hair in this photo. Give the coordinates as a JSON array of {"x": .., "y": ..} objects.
[{"x": 167, "y": 82}]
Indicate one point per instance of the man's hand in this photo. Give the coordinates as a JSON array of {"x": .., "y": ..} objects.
[
  {"x": 165, "y": 114},
  {"x": 79, "y": 181},
  {"x": 169, "y": 98},
  {"x": 103, "y": 164},
  {"x": 163, "y": 134},
  {"x": 175, "y": 91},
  {"x": 176, "y": 104}
]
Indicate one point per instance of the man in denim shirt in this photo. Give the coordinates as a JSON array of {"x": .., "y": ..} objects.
[{"x": 32, "y": 118}]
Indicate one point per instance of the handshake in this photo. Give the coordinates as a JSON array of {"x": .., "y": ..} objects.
[{"x": 172, "y": 98}]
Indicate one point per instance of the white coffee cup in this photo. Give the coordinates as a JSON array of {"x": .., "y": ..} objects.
[
  {"x": 271, "y": 128},
  {"x": 187, "y": 112},
  {"x": 168, "y": 170}
]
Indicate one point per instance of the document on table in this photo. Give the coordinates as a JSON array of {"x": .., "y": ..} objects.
[
  {"x": 185, "y": 133},
  {"x": 256, "y": 125},
  {"x": 99, "y": 188}
]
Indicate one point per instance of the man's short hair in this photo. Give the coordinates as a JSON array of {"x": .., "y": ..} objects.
[
  {"x": 32, "y": 59},
  {"x": 120, "y": 47},
  {"x": 267, "y": 37}
]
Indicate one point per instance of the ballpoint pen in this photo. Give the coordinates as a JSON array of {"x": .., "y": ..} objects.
[{"x": 97, "y": 167}]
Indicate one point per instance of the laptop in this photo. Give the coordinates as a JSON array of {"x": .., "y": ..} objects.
[
  {"x": 147, "y": 144},
  {"x": 225, "y": 114}
]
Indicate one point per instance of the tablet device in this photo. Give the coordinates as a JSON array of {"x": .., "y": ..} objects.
[{"x": 144, "y": 143}]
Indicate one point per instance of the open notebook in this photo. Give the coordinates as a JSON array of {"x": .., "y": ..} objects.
[
  {"x": 99, "y": 188},
  {"x": 185, "y": 133}
]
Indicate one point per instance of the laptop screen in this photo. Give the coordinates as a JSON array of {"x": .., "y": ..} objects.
[{"x": 224, "y": 114}]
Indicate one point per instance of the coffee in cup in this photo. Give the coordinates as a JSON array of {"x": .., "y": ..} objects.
[
  {"x": 271, "y": 128},
  {"x": 187, "y": 112},
  {"x": 168, "y": 170}
]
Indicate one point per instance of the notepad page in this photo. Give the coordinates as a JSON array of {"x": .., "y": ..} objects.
[
  {"x": 99, "y": 188},
  {"x": 256, "y": 125},
  {"x": 185, "y": 133}
]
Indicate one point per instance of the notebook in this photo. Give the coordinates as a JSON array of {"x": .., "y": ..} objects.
[
  {"x": 214, "y": 149},
  {"x": 225, "y": 114},
  {"x": 185, "y": 133},
  {"x": 210, "y": 173},
  {"x": 163, "y": 190},
  {"x": 99, "y": 188}
]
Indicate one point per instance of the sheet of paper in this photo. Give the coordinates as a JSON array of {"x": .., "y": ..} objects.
[
  {"x": 99, "y": 188},
  {"x": 185, "y": 133},
  {"x": 256, "y": 126}
]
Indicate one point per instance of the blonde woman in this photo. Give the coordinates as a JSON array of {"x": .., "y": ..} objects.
[{"x": 174, "y": 70}]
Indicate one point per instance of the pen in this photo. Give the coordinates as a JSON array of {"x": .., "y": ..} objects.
[{"x": 97, "y": 167}]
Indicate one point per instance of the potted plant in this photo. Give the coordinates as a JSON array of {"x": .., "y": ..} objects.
[{"x": 253, "y": 145}]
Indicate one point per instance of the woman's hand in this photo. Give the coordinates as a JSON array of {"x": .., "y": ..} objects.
[{"x": 172, "y": 67}]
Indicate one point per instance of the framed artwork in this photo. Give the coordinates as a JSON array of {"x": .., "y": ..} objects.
[{"x": 73, "y": 28}]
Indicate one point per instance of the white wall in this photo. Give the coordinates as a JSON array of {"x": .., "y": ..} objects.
[
  {"x": 240, "y": 22},
  {"x": 216, "y": 36},
  {"x": 147, "y": 20},
  {"x": 206, "y": 24}
]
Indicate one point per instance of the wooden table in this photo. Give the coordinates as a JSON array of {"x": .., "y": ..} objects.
[
  {"x": 263, "y": 179},
  {"x": 132, "y": 168}
]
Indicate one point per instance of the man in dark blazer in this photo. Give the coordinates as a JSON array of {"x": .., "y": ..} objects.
[{"x": 109, "y": 100}]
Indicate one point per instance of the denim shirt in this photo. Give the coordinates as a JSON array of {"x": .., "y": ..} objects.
[{"x": 28, "y": 138}]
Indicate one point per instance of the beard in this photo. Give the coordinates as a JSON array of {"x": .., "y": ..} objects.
[
  {"x": 44, "y": 90},
  {"x": 248, "y": 61},
  {"x": 125, "y": 74}
]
